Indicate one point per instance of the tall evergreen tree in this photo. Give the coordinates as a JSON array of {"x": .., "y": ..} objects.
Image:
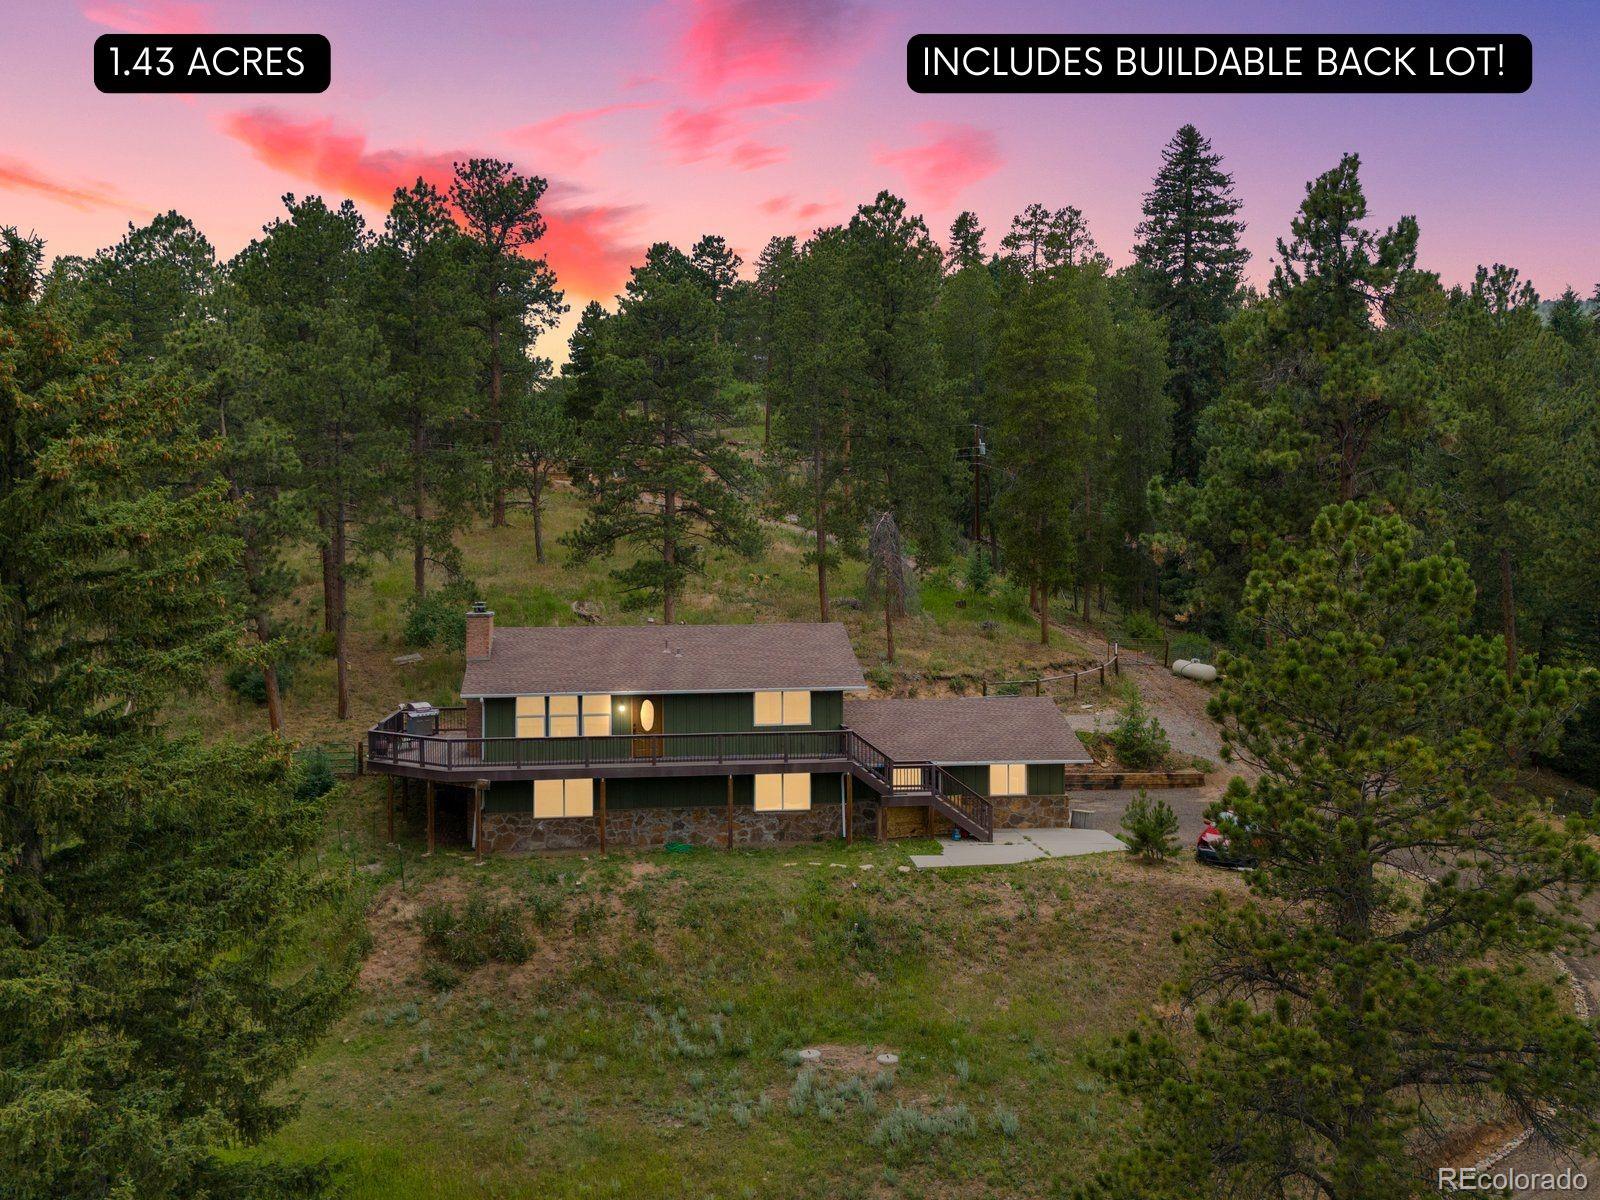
[
  {"x": 424, "y": 297},
  {"x": 223, "y": 361},
  {"x": 904, "y": 432},
  {"x": 1501, "y": 462},
  {"x": 1041, "y": 240},
  {"x": 306, "y": 277},
  {"x": 966, "y": 243},
  {"x": 662, "y": 475},
  {"x": 541, "y": 437},
  {"x": 148, "y": 282},
  {"x": 1330, "y": 1008},
  {"x": 151, "y": 889},
  {"x": 517, "y": 294},
  {"x": 772, "y": 368},
  {"x": 1190, "y": 264},
  {"x": 718, "y": 266},
  {"x": 1044, "y": 400},
  {"x": 817, "y": 335}
]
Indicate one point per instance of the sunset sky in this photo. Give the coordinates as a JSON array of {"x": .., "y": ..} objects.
[{"x": 666, "y": 120}]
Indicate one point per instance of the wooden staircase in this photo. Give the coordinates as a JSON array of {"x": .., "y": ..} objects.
[{"x": 920, "y": 783}]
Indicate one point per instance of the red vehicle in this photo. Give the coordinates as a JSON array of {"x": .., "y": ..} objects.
[{"x": 1214, "y": 850}]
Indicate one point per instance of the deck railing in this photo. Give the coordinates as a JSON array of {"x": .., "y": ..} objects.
[{"x": 390, "y": 747}]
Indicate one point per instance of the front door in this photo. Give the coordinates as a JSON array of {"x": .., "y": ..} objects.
[{"x": 646, "y": 714}]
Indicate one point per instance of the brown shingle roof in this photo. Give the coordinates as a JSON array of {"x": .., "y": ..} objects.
[
  {"x": 665, "y": 658},
  {"x": 990, "y": 729}
]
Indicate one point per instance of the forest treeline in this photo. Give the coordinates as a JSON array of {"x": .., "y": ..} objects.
[{"x": 1138, "y": 436}]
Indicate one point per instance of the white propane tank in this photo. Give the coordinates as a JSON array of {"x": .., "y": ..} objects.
[
  {"x": 1179, "y": 665},
  {"x": 1200, "y": 672}
]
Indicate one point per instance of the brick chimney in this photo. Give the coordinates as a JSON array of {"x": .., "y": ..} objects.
[{"x": 480, "y": 630}]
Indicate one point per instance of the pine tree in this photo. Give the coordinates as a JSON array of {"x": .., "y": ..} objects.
[
  {"x": 517, "y": 294},
  {"x": 718, "y": 266},
  {"x": 147, "y": 283},
  {"x": 966, "y": 243},
  {"x": 662, "y": 475},
  {"x": 1044, "y": 400},
  {"x": 1041, "y": 240},
  {"x": 771, "y": 368},
  {"x": 332, "y": 382},
  {"x": 890, "y": 580},
  {"x": 1502, "y": 457},
  {"x": 152, "y": 889},
  {"x": 817, "y": 335},
  {"x": 541, "y": 436},
  {"x": 223, "y": 360},
  {"x": 1324, "y": 1014},
  {"x": 424, "y": 298},
  {"x": 904, "y": 432},
  {"x": 1190, "y": 264}
]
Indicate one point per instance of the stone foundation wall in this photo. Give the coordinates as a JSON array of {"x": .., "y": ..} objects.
[
  {"x": 653, "y": 828},
  {"x": 1031, "y": 812}
]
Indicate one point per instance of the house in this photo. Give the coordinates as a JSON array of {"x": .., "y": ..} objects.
[{"x": 576, "y": 738}]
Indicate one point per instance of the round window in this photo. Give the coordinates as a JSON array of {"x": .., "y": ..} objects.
[{"x": 647, "y": 716}]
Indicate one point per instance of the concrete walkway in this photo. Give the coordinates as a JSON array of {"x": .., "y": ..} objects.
[{"x": 1018, "y": 845}]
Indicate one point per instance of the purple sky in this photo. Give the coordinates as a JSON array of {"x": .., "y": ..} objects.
[{"x": 669, "y": 120}]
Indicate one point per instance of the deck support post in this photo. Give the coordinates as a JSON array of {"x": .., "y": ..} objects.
[
  {"x": 849, "y": 808},
  {"x": 430, "y": 817},
  {"x": 478, "y": 789},
  {"x": 881, "y": 810},
  {"x": 602, "y": 814},
  {"x": 389, "y": 780},
  {"x": 730, "y": 812}
]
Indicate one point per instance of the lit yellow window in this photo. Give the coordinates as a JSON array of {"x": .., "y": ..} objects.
[
  {"x": 908, "y": 777},
  {"x": 1008, "y": 779},
  {"x": 530, "y": 716},
  {"x": 783, "y": 793},
  {"x": 563, "y": 798},
  {"x": 563, "y": 716},
  {"x": 769, "y": 708},
  {"x": 597, "y": 716},
  {"x": 797, "y": 708},
  {"x": 549, "y": 798},
  {"x": 783, "y": 708}
]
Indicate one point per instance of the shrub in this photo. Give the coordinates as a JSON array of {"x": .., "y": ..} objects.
[
  {"x": 313, "y": 774},
  {"x": 1140, "y": 627},
  {"x": 1150, "y": 829},
  {"x": 437, "y": 619},
  {"x": 1138, "y": 738},
  {"x": 475, "y": 933}
]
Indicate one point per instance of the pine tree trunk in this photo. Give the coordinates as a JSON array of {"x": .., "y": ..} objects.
[
  {"x": 1508, "y": 612},
  {"x": 669, "y": 552},
  {"x": 1044, "y": 616},
  {"x": 341, "y": 649},
  {"x": 419, "y": 510},
  {"x": 820, "y": 519},
  {"x": 536, "y": 502},
  {"x": 888, "y": 626},
  {"x": 325, "y": 552},
  {"x": 496, "y": 426}
]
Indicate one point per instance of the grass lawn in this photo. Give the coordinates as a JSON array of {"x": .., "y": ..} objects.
[{"x": 646, "y": 1046}]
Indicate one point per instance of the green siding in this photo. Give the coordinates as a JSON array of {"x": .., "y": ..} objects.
[
  {"x": 673, "y": 792},
  {"x": 735, "y": 712},
  {"x": 1044, "y": 779},
  {"x": 1047, "y": 779}
]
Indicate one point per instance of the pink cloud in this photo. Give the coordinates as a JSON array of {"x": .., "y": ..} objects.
[
  {"x": 564, "y": 139},
  {"x": 152, "y": 16},
  {"x": 775, "y": 205},
  {"x": 17, "y": 176},
  {"x": 951, "y": 158},
  {"x": 588, "y": 246},
  {"x": 752, "y": 156},
  {"x": 734, "y": 42}
]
